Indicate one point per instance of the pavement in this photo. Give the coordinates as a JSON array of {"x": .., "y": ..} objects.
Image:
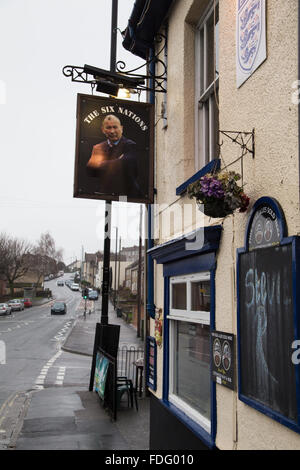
[
  {"x": 81, "y": 338},
  {"x": 73, "y": 418}
]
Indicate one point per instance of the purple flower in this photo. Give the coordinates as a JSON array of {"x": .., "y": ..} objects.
[{"x": 212, "y": 187}]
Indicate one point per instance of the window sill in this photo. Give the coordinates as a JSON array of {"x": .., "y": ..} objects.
[
  {"x": 199, "y": 431},
  {"x": 214, "y": 164}
]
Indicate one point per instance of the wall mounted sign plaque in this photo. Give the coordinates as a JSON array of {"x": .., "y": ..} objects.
[
  {"x": 223, "y": 358},
  {"x": 251, "y": 49},
  {"x": 264, "y": 230}
]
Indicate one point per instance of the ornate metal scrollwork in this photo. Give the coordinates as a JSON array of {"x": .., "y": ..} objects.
[
  {"x": 159, "y": 81},
  {"x": 156, "y": 82},
  {"x": 244, "y": 139},
  {"x": 246, "y": 142},
  {"x": 77, "y": 74}
]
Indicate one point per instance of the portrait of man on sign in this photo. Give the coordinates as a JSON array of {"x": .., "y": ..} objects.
[
  {"x": 114, "y": 161},
  {"x": 114, "y": 149}
]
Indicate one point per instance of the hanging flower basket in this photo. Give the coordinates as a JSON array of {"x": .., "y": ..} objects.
[{"x": 218, "y": 194}]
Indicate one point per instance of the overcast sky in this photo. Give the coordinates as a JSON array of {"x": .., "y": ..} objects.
[{"x": 38, "y": 117}]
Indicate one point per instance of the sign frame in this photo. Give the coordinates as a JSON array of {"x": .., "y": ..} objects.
[
  {"x": 139, "y": 121},
  {"x": 272, "y": 210},
  {"x": 293, "y": 242}
]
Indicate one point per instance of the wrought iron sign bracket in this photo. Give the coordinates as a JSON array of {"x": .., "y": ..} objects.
[
  {"x": 78, "y": 74},
  {"x": 246, "y": 140},
  {"x": 109, "y": 82},
  {"x": 159, "y": 81}
]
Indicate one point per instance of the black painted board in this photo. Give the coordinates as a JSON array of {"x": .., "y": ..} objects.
[
  {"x": 106, "y": 338},
  {"x": 266, "y": 328}
]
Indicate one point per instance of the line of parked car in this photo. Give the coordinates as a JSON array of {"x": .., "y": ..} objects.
[
  {"x": 72, "y": 285},
  {"x": 14, "y": 305},
  {"x": 92, "y": 294}
]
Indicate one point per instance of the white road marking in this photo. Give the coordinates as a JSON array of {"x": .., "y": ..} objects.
[{"x": 40, "y": 381}]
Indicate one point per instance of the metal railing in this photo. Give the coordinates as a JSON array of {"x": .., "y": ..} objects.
[{"x": 127, "y": 355}]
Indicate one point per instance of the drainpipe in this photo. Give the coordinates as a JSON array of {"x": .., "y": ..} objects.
[{"x": 150, "y": 307}]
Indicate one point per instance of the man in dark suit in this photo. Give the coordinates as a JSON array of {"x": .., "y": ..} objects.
[{"x": 114, "y": 161}]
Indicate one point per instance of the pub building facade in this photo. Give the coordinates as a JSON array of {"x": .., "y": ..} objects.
[{"x": 223, "y": 306}]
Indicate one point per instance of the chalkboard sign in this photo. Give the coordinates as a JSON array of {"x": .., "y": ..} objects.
[
  {"x": 267, "y": 328},
  {"x": 268, "y": 323}
]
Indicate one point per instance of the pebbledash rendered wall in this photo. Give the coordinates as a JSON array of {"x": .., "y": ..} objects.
[{"x": 264, "y": 102}]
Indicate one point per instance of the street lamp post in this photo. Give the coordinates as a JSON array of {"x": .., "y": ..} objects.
[
  {"x": 107, "y": 336},
  {"x": 108, "y": 204},
  {"x": 115, "y": 293}
]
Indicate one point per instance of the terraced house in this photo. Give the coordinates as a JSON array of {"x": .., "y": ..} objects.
[{"x": 223, "y": 302}]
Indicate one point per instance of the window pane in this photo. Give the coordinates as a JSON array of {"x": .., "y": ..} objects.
[
  {"x": 212, "y": 47},
  {"x": 204, "y": 132},
  {"x": 210, "y": 52},
  {"x": 216, "y": 125},
  {"x": 200, "y": 295},
  {"x": 191, "y": 366},
  {"x": 217, "y": 48},
  {"x": 201, "y": 61},
  {"x": 179, "y": 296}
]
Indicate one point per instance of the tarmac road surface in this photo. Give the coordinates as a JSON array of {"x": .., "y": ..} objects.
[{"x": 34, "y": 360}]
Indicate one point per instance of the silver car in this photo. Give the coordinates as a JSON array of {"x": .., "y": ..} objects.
[
  {"x": 16, "y": 304},
  {"x": 5, "y": 309}
]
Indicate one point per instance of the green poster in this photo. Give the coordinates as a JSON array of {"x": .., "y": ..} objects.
[{"x": 100, "y": 374}]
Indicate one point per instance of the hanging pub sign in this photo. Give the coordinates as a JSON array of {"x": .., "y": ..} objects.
[
  {"x": 114, "y": 149},
  {"x": 268, "y": 315},
  {"x": 223, "y": 358}
]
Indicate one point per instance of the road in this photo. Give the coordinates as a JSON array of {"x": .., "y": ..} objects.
[{"x": 34, "y": 359}]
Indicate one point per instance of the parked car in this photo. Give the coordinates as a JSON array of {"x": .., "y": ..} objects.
[
  {"x": 58, "y": 308},
  {"x": 27, "y": 302},
  {"x": 93, "y": 295},
  {"x": 16, "y": 304},
  {"x": 74, "y": 286},
  {"x": 5, "y": 309},
  {"x": 60, "y": 283}
]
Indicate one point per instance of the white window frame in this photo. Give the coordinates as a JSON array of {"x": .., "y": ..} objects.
[
  {"x": 205, "y": 145},
  {"x": 188, "y": 316}
]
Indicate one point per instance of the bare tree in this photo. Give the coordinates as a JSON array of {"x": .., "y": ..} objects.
[
  {"x": 15, "y": 259},
  {"x": 46, "y": 256}
]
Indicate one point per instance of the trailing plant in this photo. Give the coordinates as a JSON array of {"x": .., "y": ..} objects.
[{"x": 218, "y": 194}]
